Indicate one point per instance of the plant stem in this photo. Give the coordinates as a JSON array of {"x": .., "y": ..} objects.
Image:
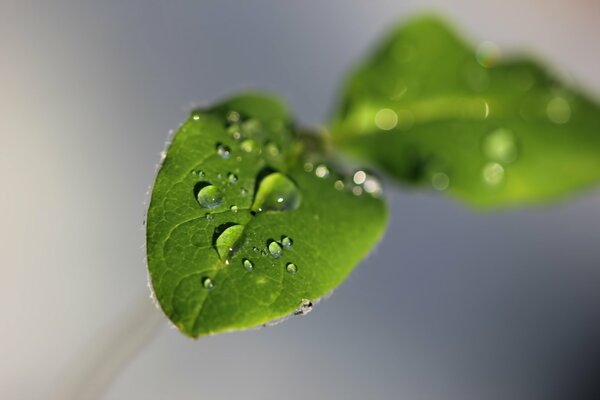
[{"x": 98, "y": 364}]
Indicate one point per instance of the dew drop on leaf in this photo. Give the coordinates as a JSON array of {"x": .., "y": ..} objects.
[
  {"x": 248, "y": 265},
  {"x": 232, "y": 178},
  {"x": 276, "y": 192},
  {"x": 248, "y": 145},
  {"x": 501, "y": 146},
  {"x": 228, "y": 241},
  {"x": 440, "y": 181},
  {"x": 291, "y": 268},
  {"x": 558, "y": 110},
  {"x": 322, "y": 171},
  {"x": 207, "y": 283},
  {"x": 209, "y": 196},
  {"x": 493, "y": 173},
  {"x": 275, "y": 249},
  {"x": 223, "y": 150},
  {"x": 287, "y": 242},
  {"x": 272, "y": 149},
  {"x": 305, "y": 307}
]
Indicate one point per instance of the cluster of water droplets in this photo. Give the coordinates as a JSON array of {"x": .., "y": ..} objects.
[{"x": 357, "y": 183}]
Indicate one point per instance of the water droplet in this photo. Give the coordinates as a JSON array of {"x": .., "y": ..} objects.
[
  {"x": 308, "y": 167},
  {"x": 276, "y": 192},
  {"x": 272, "y": 149},
  {"x": 247, "y": 264},
  {"x": 339, "y": 185},
  {"x": 209, "y": 196},
  {"x": 234, "y": 209},
  {"x": 256, "y": 249},
  {"x": 488, "y": 54},
  {"x": 357, "y": 190},
  {"x": 287, "y": 242},
  {"x": 233, "y": 116},
  {"x": 440, "y": 181},
  {"x": 223, "y": 151},
  {"x": 209, "y": 216},
  {"x": 501, "y": 146},
  {"x": 386, "y": 119},
  {"x": 234, "y": 131},
  {"x": 372, "y": 186},
  {"x": 274, "y": 249},
  {"x": 359, "y": 177},
  {"x": 322, "y": 171},
  {"x": 305, "y": 307},
  {"x": 198, "y": 173},
  {"x": 244, "y": 192},
  {"x": 558, "y": 110},
  {"x": 232, "y": 178},
  {"x": 207, "y": 283},
  {"x": 248, "y": 145},
  {"x": 291, "y": 268},
  {"x": 252, "y": 127},
  {"x": 219, "y": 176},
  {"x": 493, "y": 173},
  {"x": 229, "y": 241},
  {"x": 195, "y": 117}
]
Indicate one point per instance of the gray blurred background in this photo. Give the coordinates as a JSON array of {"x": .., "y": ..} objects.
[{"x": 452, "y": 304}]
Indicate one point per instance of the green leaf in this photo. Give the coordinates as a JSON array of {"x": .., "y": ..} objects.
[
  {"x": 242, "y": 228},
  {"x": 429, "y": 110}
]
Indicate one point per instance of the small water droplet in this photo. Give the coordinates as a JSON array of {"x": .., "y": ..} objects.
[
  {"x": 322, "y": 171},
  {"x": 386, "y": 119},
  {"x": 373, "y": 186},
  {"x": 440, "y": 181},
  {"x": 291, "y": 268},
  {"x": 359, "y": 177},
  {"x": 256, "y": 249},
  {"x": 287, "y": 242},
  {"x": 339, "y": 185},
  {"x": 488, "y": 54},
  {"x": 244, "y": 192},
  {"x": 274, "y": 249},
  {"x": 234, "y": 209},
  {"x": 501, "y": 146},
  {"x": 493, "y": 173},
  {"x": 207, "y": 283},
  {"x": 229, "y": 241},
  {"x": 558, "y": 110},
  {"x": 272, "y": 149},
  {"x": 247, "y": 264},
  {"x": 232, "y": 178},
  {"x": 263, "y": 253},
  {"x": 209, "y": 196},
  {"x": 209, "y": 216},
  {"x": 223, "y": 150},
  {"x": 305, "y": 307},
  {"x": 219, "y": 176},
  {"x": 196, "y": 117},
  {"x": 357, "y": 190},
  {"x": 308, "y": 167},
  {"x": 248, "y": 145},
  {"x": 233, "y": 116},
  {"x": 276, "y": 192}
]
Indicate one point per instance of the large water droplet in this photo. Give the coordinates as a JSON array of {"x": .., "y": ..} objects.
[
  {"x": 274, "y": 249},
  {"x": 228, "y": 241},
  {"x": 287, "y": 242},
  {"x": 248, "y": 265},
  {"x": 291, "y": 268},
  {"x": 558, "y": 110},
  {"x": 223, "y": 150},
  {"x": 276, "y": 192},
  {"x": 207, "y": 283},
  {"x": 209, "y": 196},
  {"x": 305, "y": 307},
  {"x": 500, "y": 146},
  {"x": 493, "y": 173}
]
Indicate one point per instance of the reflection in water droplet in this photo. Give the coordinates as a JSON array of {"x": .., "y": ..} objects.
[
  {"x": 207, "y": 283},
  {"x": 229, "y": 241},
  {"x": 291, "y": 268},
  {"x": 322, "y": 171},
  {"x": 440, "y": 181},
  {"x": 287, "y": 242},
  {"x": 500, "y": 145},
  {"x": 232, "y": 178},
  {"x": 209, "y": 196},
  {"x": 558, "y": 110},
  {"x": 248, "y": 265},
  {"x": 248, "y": 145},
  {"x": 488, "y": 54},
  {"x": 493, "y": 173},
  {"x": 223, "y": 151},
  {"x": 274, "y": 249},
  {"x": 305, "y": 307},
  {"x": 276, "y": 192},
  {"x": 386, "y": 119}
]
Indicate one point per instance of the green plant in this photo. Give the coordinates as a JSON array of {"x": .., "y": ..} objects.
[{"x": 252, "y": 219}]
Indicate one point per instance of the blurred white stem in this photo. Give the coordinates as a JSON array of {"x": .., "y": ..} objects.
[{"x": 98, "y": 365}]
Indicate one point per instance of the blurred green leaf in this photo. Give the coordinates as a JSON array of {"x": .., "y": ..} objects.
[
  {"x": 429, "y": 110},
  {"x": 242, "y": 229}
]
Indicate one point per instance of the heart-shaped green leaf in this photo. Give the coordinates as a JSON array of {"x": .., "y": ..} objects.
[
  {"x": 243, "y": 228},
  {"x": 427, "y": 109}
]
